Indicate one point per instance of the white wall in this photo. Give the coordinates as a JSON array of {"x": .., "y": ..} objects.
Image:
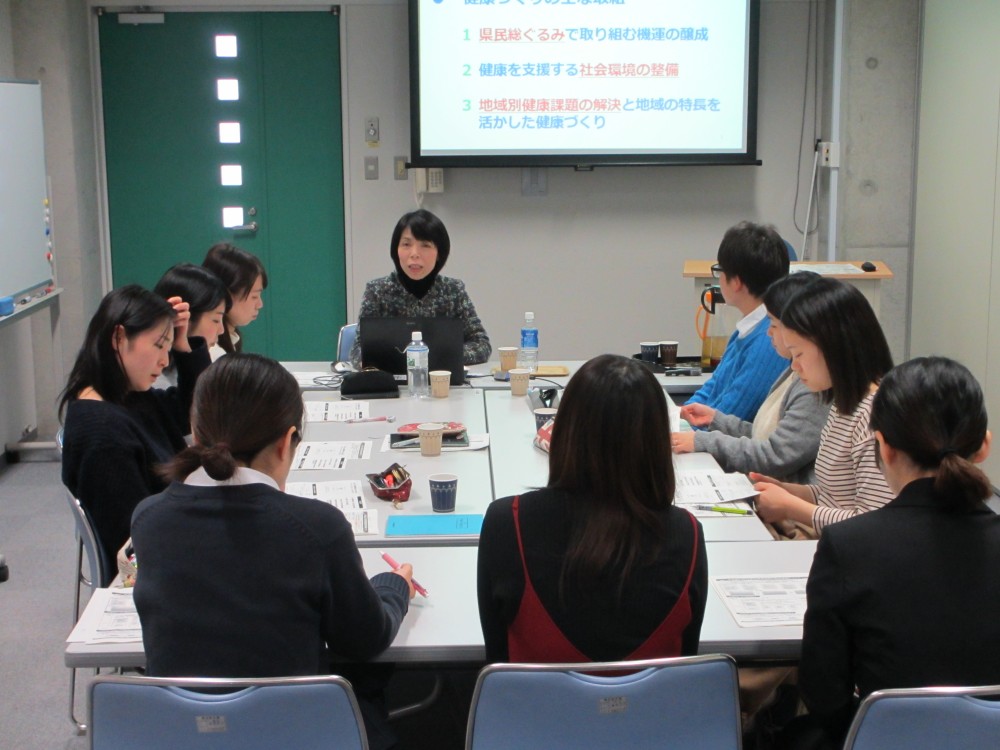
[
  {"x": 599, "y": 258},
  {"x": 956, "y": 267}
]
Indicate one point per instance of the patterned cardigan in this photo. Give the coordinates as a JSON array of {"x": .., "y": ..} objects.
[{"x": 447, "y": 298}]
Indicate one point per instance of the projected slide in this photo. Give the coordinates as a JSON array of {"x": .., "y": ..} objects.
[{"x": 499, "y": 77}]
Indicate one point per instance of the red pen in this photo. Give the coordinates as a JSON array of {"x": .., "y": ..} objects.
[{"x": 395, "y": 566}]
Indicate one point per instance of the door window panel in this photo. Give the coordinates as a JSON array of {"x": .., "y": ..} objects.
[
  {"x": 231, "y": 174},
  {"x": 229, "y": 132},
  {"x": 225, "y": 45}
]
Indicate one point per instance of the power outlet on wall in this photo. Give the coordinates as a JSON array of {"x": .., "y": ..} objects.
[{"x": 829, "y": 154}]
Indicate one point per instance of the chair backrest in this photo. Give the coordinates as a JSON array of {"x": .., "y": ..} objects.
[
  {"x": 292, "y": 713},
  {"x": 345, "y": 340},
  {"x": 919, "y": 718},
  {"x": 100, "y": 571},
  {"x": 685, "y": 702}
]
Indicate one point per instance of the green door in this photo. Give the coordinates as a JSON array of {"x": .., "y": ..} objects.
[{"x": 227, "y": 127}]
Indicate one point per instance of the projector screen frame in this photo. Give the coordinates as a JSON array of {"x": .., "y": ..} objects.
[{"x": 586, "y": 162}]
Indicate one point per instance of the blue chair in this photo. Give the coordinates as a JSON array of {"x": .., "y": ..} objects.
[
  {"x": 295, "y": 713},
  {"x": 685, "y": 702},
  {"x": 345, "y": 340},
  {"x": 927, "y": 718}
]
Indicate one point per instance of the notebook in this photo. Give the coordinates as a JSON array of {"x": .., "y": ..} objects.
[{"x": 384, "y": 340}]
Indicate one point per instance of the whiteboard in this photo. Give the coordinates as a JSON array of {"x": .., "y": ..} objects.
[{"x": 23, "y": 237}]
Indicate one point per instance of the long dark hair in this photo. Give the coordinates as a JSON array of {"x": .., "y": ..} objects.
[
  {"x": 837, "y": 318},
  {"x": 238, "y": 270},
  {"x": 932, "y": 409},
  {"x": 196, "y": 285},
  {"x": 97, "y": 364},
  {"x": 242, "y": 404},
  {"x": 610, "y": 448}
]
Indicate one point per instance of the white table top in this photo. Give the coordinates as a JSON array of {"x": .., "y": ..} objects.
[
  {"x": 475, "y": 486},
  {"x": 445, "y": 627},
  {"x": 481, "y": 376},
  {"x": 518, "y": 466}
]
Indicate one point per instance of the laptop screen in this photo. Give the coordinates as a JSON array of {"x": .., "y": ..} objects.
[{"x": 384, "y": 340}]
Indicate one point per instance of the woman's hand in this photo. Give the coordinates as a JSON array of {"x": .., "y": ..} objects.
[
  {"x": 755, "y": 477},
  {"x": 697, "y": 415},
  {"x": 181, "y": 322},
  {"x": 682, "y": 442},
  {"x": 406, "y": 571},
  {"x": 773, "y": 502}
]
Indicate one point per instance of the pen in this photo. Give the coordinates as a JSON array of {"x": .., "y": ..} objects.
[
  {"x": 395, "y": 566},
  {"x": 370, "y": 419},
  {"x": 724, "y": 509}
]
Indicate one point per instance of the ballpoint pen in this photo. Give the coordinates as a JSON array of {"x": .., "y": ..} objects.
[
  {"x": 395, "y": 566},
  {"x": 370, "y": 419},
  {"x": 725, "y": 509}
]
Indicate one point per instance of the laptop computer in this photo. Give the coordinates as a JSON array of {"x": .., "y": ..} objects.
[{"x": 384, "y": 341}]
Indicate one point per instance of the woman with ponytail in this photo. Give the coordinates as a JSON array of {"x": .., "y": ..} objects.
[
  {"x": 905, "y": 596},
  {"x": 237, "y": 578}
]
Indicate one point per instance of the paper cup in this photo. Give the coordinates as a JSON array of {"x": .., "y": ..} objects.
[
  {"x": 440, "y": 383},
  {"x": 650, "y": 350},
  {"x": 543, "y": 415},
  {"x": 430, "y": 434},
  {"x": 668, "y": 353},
  {"x": 508, "y": 358},
  {"x": 444, "y": 490},
  {"x": 519, "y": 381}
]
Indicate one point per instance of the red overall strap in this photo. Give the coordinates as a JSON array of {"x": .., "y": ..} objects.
[
  {"x": 534, "y": 636},
  {"x": 667, "y": 639}
]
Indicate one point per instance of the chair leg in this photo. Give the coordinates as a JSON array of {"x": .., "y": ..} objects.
[
  {"x": 81, "y": 728},
  {"x": 412, "y": 708}
]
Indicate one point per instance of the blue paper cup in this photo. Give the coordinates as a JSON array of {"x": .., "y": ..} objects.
[
  {"x": 444, "y": 490},
  {"x": 650, "y": 350}
]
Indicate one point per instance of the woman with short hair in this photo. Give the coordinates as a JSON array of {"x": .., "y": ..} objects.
[{"x": 419, "y": 248}]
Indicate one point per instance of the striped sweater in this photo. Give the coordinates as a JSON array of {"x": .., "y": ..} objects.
[{"x": 849, "y": 481}]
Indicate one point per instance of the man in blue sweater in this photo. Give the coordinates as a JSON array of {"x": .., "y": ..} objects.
[{"x": 750, "y": 257}]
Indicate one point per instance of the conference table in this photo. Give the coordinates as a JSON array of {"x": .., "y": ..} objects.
[
  {"x": 445, "y": 626},
  {"x": 320, "y": 376}
]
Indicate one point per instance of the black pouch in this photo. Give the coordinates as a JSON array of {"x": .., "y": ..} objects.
[{"x": 369, "y": 383}]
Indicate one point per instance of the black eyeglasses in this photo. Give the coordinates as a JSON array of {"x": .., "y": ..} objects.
[{"x": 716, "y": 271}]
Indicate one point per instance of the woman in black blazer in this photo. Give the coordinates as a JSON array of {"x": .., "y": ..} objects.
[{"x": 905, "y": 596}]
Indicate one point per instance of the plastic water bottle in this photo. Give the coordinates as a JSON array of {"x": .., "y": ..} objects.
[
  {"x": 417, "y": 380},
  {"x": 528, "y": 356}
]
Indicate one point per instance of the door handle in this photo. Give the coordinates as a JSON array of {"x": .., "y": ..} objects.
[{"x": 251, "y": 227}]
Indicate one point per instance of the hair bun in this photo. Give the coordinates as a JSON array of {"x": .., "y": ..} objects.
[{"x": 218, "y": 461}]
